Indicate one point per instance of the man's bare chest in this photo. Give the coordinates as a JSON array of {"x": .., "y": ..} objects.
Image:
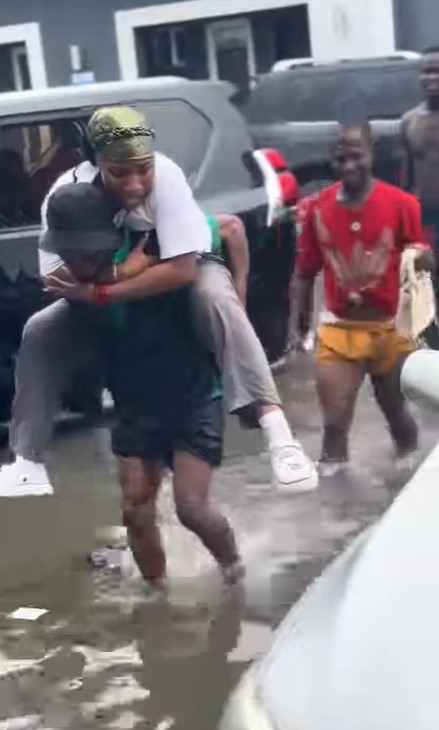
[{"x": 423, "y": 136}]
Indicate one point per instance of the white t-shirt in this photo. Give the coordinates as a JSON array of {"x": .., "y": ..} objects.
[{"x": 170, "y": 209}]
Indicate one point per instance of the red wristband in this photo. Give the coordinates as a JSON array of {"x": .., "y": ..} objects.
[{"x": 100, "y": 295}]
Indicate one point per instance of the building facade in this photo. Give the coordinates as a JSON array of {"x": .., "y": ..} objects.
[{"x": 54, "y": 42}]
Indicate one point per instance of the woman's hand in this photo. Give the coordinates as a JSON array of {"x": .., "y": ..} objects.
[
  {"x": 136, "y": 263},
  {"x": 75, "y": 291},
  {"x": 62, "y": 273}
]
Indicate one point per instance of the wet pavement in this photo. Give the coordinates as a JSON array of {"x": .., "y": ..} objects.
[{"x": 101, "y": 658}]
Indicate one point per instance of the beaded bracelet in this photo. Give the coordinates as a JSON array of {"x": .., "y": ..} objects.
[{"x": 100, "y": 294}]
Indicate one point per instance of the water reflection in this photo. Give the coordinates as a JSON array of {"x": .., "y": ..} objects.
[
  {"x": 185, "y": 663},
  {"x": 157, "y": 666}
]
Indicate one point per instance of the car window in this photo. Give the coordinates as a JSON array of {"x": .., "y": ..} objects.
[{"x": 32, "y": 156}]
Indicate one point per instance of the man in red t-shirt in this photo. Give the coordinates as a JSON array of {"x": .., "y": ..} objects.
[{"x": 355, "y": 232}]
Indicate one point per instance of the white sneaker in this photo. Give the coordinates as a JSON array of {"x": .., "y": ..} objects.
[
  {"x": 293, "y": 471},
  {"x": 24, "y": 478},
  {"x": 409, "y": 462},
  {"x": 328, "y": 469}
]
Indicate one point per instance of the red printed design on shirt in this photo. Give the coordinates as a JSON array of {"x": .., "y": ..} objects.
[
  {"x": 361, "y": 269},
  {"x": 359, "y": 250}
]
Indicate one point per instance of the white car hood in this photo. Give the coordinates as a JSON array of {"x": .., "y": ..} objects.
[{"x": 361, "y": 650}]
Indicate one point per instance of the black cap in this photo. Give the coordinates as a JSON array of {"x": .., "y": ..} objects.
[{"x": 80, "y": 216}]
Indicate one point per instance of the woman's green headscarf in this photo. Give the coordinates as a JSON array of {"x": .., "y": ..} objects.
[{"x": 121, "y": 133}]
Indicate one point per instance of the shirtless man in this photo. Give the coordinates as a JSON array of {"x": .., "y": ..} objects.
[{"x": 420, "y": 132}]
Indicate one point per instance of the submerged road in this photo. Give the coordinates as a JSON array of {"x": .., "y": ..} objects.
[{"x": 99, "y": 658}]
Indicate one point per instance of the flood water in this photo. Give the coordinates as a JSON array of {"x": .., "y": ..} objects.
[{"x": 99, "y": 657}]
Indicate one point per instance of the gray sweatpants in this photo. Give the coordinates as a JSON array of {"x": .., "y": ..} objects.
[{"x": 57, "y": 344}]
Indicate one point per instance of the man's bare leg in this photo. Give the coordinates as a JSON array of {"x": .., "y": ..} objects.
[
  {"x": 394, "y": 407},
  {"x": 140, "y": 483},
  {"x": 338, "y": 384},
  {"x": 192, "y": 480}
]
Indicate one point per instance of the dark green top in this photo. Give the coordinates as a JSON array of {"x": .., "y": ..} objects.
[
  {"x": 157, "y": 334},
  {"x": 217, "y": 246}
]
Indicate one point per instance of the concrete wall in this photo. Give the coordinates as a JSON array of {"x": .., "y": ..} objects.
[
  {"x": 351, "y": 28},
  {"x": 89, "y": 24}
]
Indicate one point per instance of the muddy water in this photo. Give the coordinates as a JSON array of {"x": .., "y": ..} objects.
[{"x": 102, "y": 658}]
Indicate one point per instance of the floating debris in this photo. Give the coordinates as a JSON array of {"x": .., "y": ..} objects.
[
  {"x": 30, "y": 722},
  {"x": 28, "y": 614}
]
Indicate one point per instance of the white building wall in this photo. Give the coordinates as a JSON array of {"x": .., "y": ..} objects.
[
  {"x": 338, "y": 28},
  {"x": 351, "y": 28},
  {"x": 30, "y": 35}
]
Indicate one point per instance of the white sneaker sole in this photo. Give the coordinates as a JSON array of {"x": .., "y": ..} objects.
[
  {"x": 309, "y": 483},
  {"x": 27, "y": 490}
]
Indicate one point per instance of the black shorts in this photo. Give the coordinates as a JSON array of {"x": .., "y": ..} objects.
[{"x": 199, "y": 432}]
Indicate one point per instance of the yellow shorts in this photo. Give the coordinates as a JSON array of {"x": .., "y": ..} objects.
[{"x": 377, "y": 344}]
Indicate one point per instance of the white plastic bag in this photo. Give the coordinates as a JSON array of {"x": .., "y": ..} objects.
[{"x": 417, "y": 303}]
